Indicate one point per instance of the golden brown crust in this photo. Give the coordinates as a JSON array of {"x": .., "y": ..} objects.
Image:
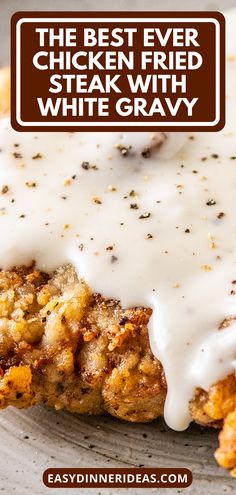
[
  {"x": 4, "y": 90},
  {"x": 78, "y": 351},
  {"x": 66, "y": 347},
  {"x": 226, "y": 453}
]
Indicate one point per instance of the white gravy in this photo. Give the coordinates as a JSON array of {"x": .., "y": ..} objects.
[{"x": 158, "y": 231}]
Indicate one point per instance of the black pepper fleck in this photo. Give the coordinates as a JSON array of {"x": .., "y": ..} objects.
[
  {"x": 85, "y": 165},
  {"x": 17, "y": 155},
  {"x": 145, "y": 215},
  {"x": 114, "y": 259},
  {"x": 37, "y": 156},
  {"x": 211, "y": 202},
  {"x": 146, "y": 152},
  {"x": 5, "y": 189}
]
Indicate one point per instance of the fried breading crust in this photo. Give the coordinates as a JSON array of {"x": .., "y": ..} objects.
[
  {"x": 4, "y": 90},
  {"x": 226, "y": 453},
  {"x": 64, "y": 346}
]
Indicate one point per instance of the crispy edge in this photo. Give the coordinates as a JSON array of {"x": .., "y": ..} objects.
[{"x": 4, "y": 90}]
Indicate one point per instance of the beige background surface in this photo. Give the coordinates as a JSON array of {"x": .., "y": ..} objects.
[{"x": 36, "y": 439}]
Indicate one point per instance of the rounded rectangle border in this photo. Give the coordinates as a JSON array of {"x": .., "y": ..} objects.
[{"x": 20, "y": 17}]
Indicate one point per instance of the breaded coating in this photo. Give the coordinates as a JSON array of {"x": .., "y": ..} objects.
[
  {"x": 4, "y": 90},
  {"x": 226, "y": 453},
  {"x": 64, "y": 346}
]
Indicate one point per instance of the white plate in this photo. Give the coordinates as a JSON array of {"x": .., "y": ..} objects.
[{"x": 38, "y": 438}]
